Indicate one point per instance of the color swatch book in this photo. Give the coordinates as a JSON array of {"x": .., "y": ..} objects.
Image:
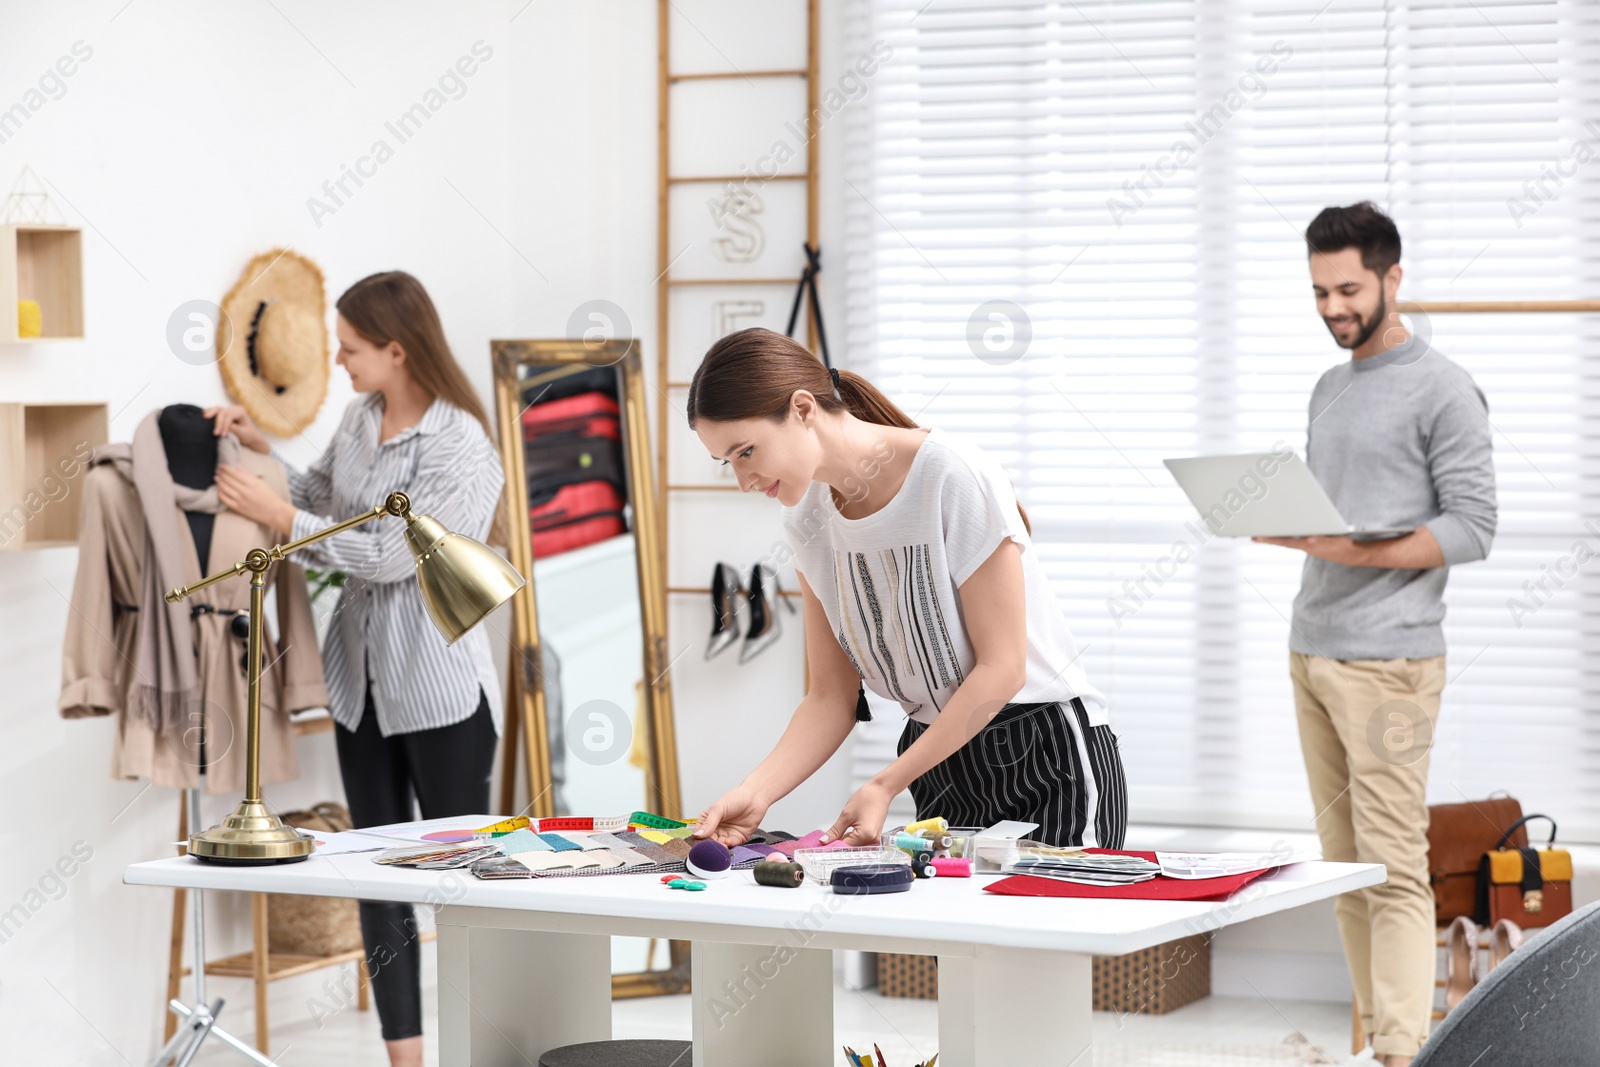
[{"x": 1085, "y": 868}]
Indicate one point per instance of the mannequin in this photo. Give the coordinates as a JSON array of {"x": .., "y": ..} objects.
[{"x": 192, "y": 458}]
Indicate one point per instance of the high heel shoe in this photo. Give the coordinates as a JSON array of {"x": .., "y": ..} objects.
[
  {"x": 765, "y": 595},
  {"x": 1504, "y": 939},
  {"x": 724, "y": 609},
  {"x": 1461, "y": 967}
]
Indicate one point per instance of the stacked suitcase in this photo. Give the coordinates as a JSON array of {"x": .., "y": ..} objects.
[{"x": 572, "y": 449}]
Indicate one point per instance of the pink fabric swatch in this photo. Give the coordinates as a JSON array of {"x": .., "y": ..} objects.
[{"x": 811, "y": 840}]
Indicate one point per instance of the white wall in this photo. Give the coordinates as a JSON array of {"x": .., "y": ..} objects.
[{"x": 188, "y": 141}]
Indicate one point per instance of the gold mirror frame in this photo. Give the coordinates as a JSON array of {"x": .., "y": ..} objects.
[{"x": 524, "y": 689}]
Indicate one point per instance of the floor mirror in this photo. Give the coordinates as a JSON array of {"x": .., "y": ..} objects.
[{"x": 589, "y": 696}]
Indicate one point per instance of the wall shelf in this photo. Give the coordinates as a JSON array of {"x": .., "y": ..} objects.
[
  {"x": 43, "y": 452},
  {"x": 42, "y": 263}
]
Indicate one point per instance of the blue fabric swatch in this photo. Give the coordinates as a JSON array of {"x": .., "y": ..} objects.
[
  {"x": 561, "y": 844},
  {"x": 521, "y": 841}
]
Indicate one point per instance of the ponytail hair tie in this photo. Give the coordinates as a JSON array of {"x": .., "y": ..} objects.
[{"x": 833, "y": 372}]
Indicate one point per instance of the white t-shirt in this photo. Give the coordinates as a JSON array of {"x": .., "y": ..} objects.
[{"x": 888, "y": 582}]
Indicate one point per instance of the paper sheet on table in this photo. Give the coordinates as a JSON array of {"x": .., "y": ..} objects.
[
  {"x": 1225, "y": 864},
  {"x": 347, "y": 841},
  {"x": 373, "y": 838}
]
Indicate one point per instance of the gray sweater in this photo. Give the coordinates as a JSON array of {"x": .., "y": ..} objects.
[{"x": 1399, "y": 439}]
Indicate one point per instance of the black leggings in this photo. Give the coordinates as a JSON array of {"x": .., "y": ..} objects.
[{"x": 447, "y": 768}]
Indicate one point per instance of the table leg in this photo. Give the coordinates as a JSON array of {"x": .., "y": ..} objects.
[
  {"x": 1009, "y": 1006},
  {"x": 761, "y": 1006},
  {"x": 508, "y": 996}
]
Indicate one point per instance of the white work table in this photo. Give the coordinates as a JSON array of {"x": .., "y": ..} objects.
[{"x": 524, "y": 964}]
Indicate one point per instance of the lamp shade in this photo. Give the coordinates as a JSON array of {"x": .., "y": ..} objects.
[{"x": 461, "y": 580}]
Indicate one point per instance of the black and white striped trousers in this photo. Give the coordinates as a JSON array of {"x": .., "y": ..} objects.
[{"x": 1039, "y": 763}]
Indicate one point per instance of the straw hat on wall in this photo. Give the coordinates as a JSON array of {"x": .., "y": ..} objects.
[{"x": 272, "y": 342}]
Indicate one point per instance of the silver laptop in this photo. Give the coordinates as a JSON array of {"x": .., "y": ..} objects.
[{"x": 1264, "y": 494}]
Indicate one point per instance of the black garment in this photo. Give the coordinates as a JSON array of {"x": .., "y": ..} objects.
[
  {"x": 447, "y": 769},
  {"x": 1040, "y": 763},
  {"x": 191, "y": 446}
]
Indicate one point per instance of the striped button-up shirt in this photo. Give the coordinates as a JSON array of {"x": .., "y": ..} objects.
[{"x": 380, "y": 630}]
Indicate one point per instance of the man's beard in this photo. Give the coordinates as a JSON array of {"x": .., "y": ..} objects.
[{"x": 1368, "y": 328}]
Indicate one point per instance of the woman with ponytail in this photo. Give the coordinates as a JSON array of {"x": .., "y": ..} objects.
[{"x": 920, "y": 582}]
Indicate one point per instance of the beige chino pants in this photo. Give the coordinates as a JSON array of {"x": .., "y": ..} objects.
[{"x": 1366, "y": 731}]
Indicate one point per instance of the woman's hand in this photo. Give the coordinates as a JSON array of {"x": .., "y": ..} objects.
[
  {"x": 246, "y": 494},
  {"x": 230, "y": 418},
  {"x": 733, "y": 818},
  {"x": 861, "y": 821}
]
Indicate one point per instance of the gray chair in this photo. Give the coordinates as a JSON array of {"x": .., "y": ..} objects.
[
  {"x": 634, "y": 1053},
  {"x": 1539, "y": 1008}
]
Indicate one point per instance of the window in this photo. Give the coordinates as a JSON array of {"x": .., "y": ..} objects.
[{"x": 1134, "y": 178}]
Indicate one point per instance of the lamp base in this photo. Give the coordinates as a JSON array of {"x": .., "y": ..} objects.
[{"x": 251, "y": 836}]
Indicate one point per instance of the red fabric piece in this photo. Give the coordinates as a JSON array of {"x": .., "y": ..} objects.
[{"x": 1158, "y": 888}]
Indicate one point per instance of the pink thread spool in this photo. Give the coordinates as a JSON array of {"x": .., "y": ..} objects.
[{"x": 952, "y": 867}]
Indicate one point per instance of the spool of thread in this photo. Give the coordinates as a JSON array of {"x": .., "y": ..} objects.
[
  {"x": 940, "y": 842},
  {"x": 30, "y": 321},
  {"x": 709, "y": 859},
  {"x": 780, "y": 874},
  {"x": 929, "y": 826},
  {"x": 924, "y": 856},
  {"x": 908, "y": 842},
  {"x": 924, "y": 870},
  {"x": 953, "y": 866}
]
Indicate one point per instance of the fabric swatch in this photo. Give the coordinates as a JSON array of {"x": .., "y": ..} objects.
[
  {"x": 660, "y": 856},
  {"x": 521, "y": 841},
  {"x": 658, "y": 836},
  {"x": 811, "y": 840},
  {"x": 749, "y": 857},
  {"x": 633, "y": 839},
  {"x": 630, "y": 858},
  {"x": 681, "y": 831},
  {"x": 678, "y": 847},
  {"x": 561, "y": 844},
  {"x": 537, "y": 861}
]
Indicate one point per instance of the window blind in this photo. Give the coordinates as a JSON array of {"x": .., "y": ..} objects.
[{"x": 1074, "y": 235}]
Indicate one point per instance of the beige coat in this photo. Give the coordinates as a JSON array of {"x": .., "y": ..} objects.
[{"x": 98, "y": 659}]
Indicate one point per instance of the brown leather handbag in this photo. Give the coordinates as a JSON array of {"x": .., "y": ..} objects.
[
  {"x": 1459, "y": 835},
  {"x": 1529, "y": 886}
]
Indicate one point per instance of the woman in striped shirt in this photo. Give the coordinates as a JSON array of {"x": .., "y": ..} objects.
[{"x": 416, "y": 717}]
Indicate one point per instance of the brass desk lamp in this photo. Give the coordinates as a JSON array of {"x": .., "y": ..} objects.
[{"x": 462, "y": 581}]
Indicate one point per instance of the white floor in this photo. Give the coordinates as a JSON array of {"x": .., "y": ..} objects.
[{"x": 305, "y": 1034}]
